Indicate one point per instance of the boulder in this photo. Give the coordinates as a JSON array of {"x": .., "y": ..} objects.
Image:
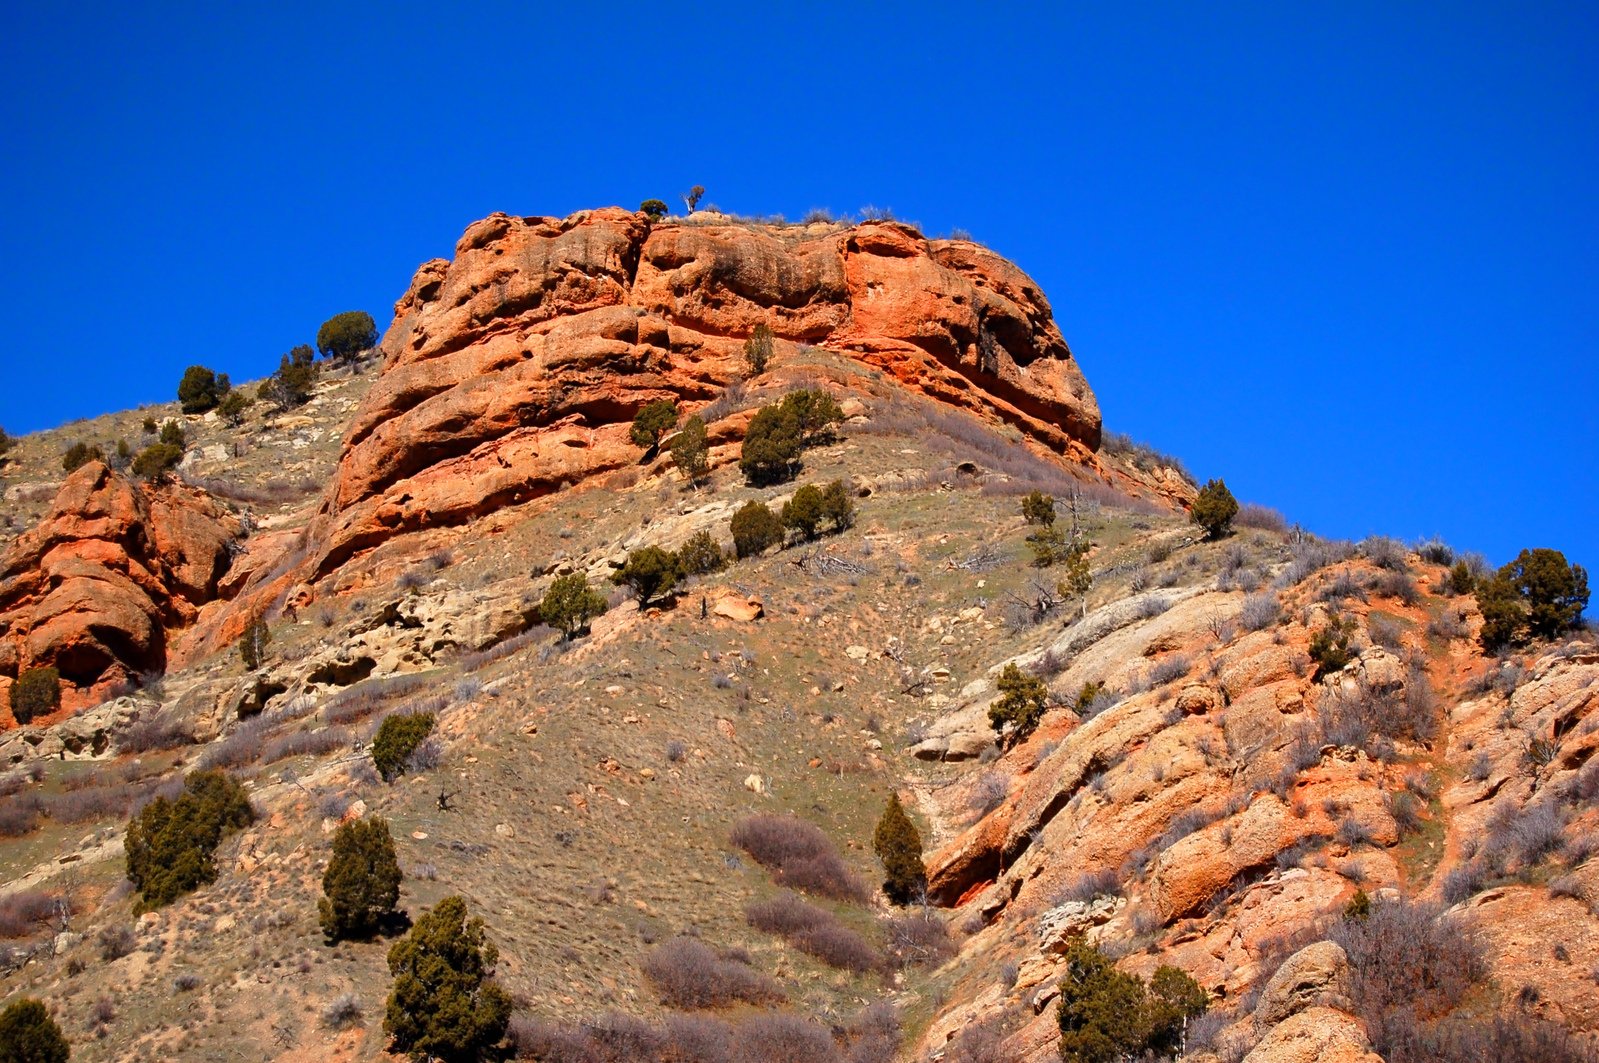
[
  {"x": 1316, "y": 974},
  {"x": 1315, "y": 1035}
]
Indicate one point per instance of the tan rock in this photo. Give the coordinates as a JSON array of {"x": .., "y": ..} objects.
[
  {"x": 1316, "y": 1035},
  {"x": 1316, "y": 974}
]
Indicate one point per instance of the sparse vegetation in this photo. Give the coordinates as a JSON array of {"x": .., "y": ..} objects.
[
  {"x": 1329, "y": 646},
  {"x": 253, "y": 643},
  {"x": 361, "y": 886},
  {"x": 1038, "y": 508},
  {"x": 155, "y": 461},
  {"x": 170, "y": 843},
  {"x": 799, "y": 855},
  {"x": 444, "y": 1004},
  {"x": 690, "y": 974}
]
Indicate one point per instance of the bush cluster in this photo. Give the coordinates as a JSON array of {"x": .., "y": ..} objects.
[
  {"x": 170, "y": 844},
  {"x": 814, "y": 931},
  {"x": 650, "y": 572},
  {"x": 755, "y": 529},
  {"x": 691, "y": 452},
  {"x": 1329, "y": 646},
  {"x": 80, "y": 454},
  {"x": 799, "y": 855}
]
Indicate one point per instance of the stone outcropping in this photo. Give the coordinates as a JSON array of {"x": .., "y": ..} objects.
[
  {"x": 96, "y": 588},
  {"x": 517, "y": 368}
]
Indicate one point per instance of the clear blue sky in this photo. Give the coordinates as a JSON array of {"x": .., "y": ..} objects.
[{"x": 1343, "y": 257}]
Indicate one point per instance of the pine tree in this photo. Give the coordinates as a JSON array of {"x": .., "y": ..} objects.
[
  {"x": 362, "y": 882},
  {"x": 443, "y": 1005},
  {"x": 898, "y": 845},
  {"x": 702, "y": 554},
  {"x": 29, "y": 1035},
  {"x": 802, "y": 513}
]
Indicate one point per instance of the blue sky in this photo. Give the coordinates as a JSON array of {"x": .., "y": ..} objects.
[{"x": 1342, "y": 255}]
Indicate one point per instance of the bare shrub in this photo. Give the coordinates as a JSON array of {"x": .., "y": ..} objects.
[
  {"x": 342, "y": 1012},
  {"x": 919, "y": 939},
  {"x": 1311, "y": 556},
  {"x": 539, "y": 633},
  {"x": 152, "y": 734},
  {"x": 779, "y": 1037},
  {"x": 1435, "y": 552},
  {"x": 1259, "y": 611},
  {"x": 1168, "y": 669},
  {"x": 800, "y": 856},
  {"x": 27, "y": 911},
  {"x": 1406, "y": 810},
  {"x": 676, "y": 750},
  {"x": 1385, "y": 632},
  {"x": 1152, "y": 606},
  {"x": 1385, "y": 553},
  {"x": 187, "y": 982},
  {"x": 1405, "y": 956},
  {"x": 1263, "y": 518},
  {"x": 115, "y": 942},
  {"x": 306, "y": 743},
  {"x": 428, "y": 754},
  {"x": 1448, "y": 625},
  {"x": 1397, "y": 585},
  {"x": 815, "y": 931},
  {"x": 244, "y": 745},
  {"x": 19, "y": 815},
  {"x": 690, "y": 974},
  {"x": 982, "y": 1042},
  {"x": 1089, "y": 885},
  {"x": 990, "y": 792}
]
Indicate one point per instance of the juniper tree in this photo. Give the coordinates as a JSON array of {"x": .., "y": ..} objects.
[
  {"x": 898, "y": 845},
  {"x": 29, "y": 1035},
  {"x": 1214, "y": 509},
  {"x": 690, "y": 451},
  {"x": 650, "y": 571},
  {"x": 570, "y": 603},
  {"x": 397, "y": 738},
  {"x": 170, "y": 843},
  {"x": 443, "y": 1005},
  {"x": 755, "y": 528},
  {"x": 1038, "y": 508},
  {"x": 361, "y": 886},
  {"x": 1023, "y": 698},
  {"x": 36, "y": 692},
  {"x": 652, "y": 420},
  {"x": 343, "y": 337}
]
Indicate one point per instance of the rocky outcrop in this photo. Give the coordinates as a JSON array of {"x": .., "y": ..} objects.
[
  {"x": 98, "y": 586},
  {"x": 517, "y": 368}
]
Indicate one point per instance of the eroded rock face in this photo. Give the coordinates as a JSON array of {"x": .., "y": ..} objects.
[
  {"x": 96, "y": 588},
  {"x": 518, "y": 367}
]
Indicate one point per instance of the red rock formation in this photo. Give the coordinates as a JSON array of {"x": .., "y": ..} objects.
[
  {"x": 96, "y": 587},
  {"x": 518, "y": 367}
]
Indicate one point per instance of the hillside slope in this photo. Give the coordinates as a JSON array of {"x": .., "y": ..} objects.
[{"x": 1208, "y": 787}]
